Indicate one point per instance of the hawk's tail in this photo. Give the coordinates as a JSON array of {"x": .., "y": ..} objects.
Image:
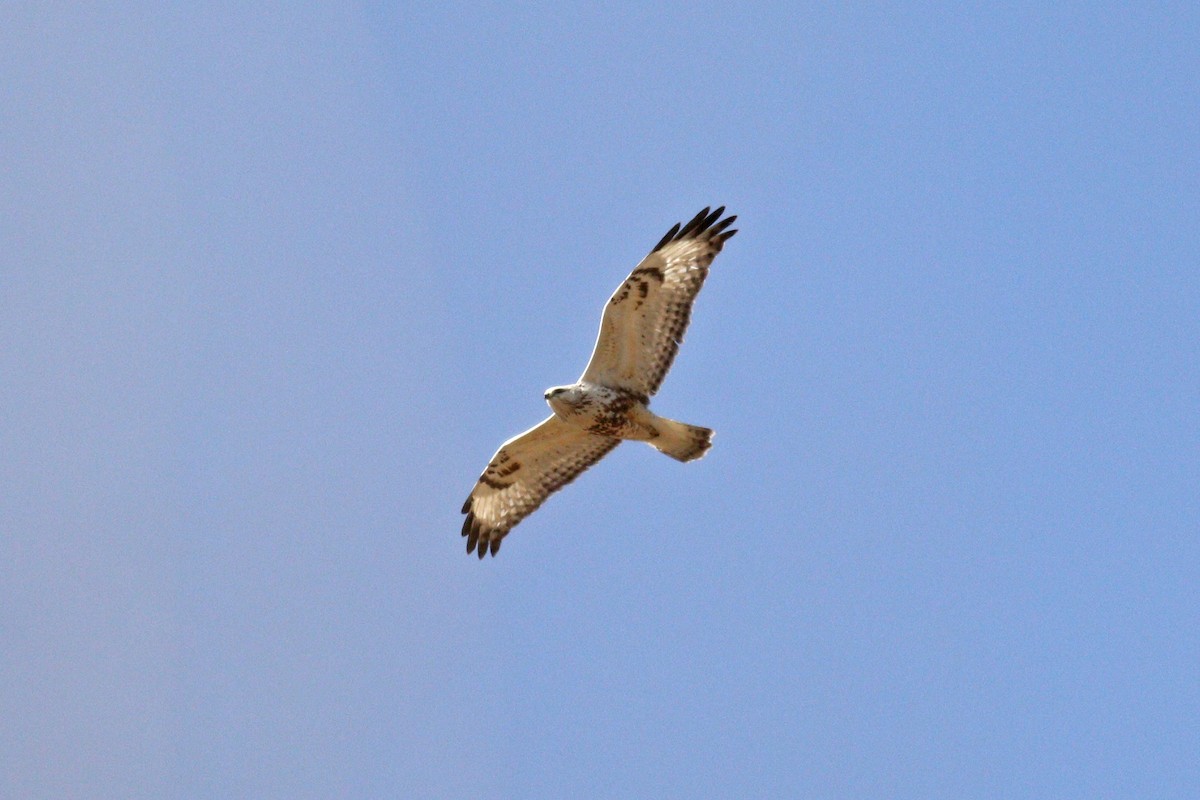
[{"x": 679, "y": 441}]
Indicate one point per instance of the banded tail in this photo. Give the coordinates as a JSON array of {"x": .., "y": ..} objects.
[{"x": 681, "y": 441}]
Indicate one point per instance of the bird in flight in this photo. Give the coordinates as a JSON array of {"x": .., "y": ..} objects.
[{"x": 640, "y": 332}]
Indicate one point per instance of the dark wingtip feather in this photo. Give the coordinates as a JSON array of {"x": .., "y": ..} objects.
[
  {"x": 467, "y": 505},
  {"x": 670, "y": 235},
  {"x": 473, "y": 535},
  {"x": 473, "y": 529},
  {"x": 707, "y": 222},
  {"x": 690, "y": 227},
  {"x": 722, "y": 225},
  {"x": 710, "y": 219}
]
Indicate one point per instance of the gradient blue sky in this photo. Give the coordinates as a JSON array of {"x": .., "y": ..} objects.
[{"x": 276, "y": 281}]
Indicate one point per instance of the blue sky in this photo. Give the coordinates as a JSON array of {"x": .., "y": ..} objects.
[{"x": 276, "y": 281}]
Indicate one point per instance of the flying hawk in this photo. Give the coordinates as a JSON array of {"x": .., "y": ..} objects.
[{"x": 640, "y": 332}]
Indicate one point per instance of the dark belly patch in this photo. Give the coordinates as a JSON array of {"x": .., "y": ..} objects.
[{"x": 612, "y": 419}]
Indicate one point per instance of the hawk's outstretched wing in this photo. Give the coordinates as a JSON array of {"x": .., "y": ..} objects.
[
  {"x": 526, "y": 470},
  {"x": 644, "y": 321}
]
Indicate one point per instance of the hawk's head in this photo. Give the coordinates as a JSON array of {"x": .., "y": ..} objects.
[{"x": 565, "y": 400}]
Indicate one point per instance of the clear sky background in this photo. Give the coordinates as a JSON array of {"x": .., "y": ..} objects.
[{"x": 275, "y": 282}]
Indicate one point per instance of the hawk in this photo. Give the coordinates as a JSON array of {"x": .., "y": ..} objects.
[{"x": 640, "y": 332}]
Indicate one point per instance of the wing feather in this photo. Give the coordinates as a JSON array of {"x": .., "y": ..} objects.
[
  {"x": 526, "y": 470},
  {"x": 645, "y": 319}
]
